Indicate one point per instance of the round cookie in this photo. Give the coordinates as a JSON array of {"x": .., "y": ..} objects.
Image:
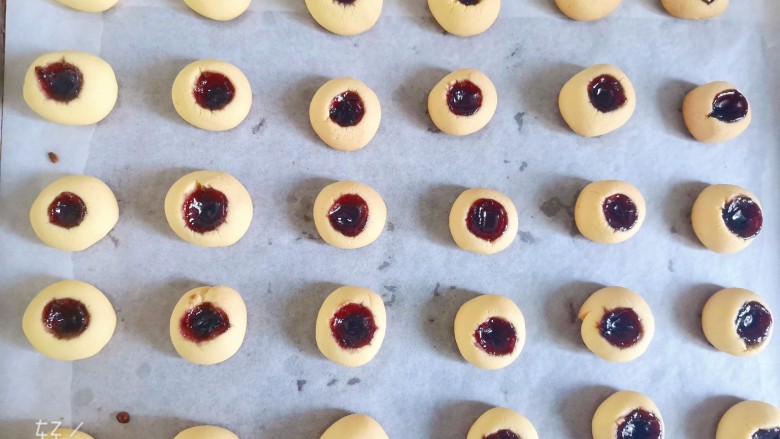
[
  {"x": 66, "y": 433},
  {"x": 628, "y": 415},
  {"x": 587, "y": 10},
  {"x": 345, "y": 114},
  {"x": 483, "y": 221},
  {"x": 490, "y": 331},
  {"x": 502, "y": 423},
  {"x": 70, "y": 88},
  {"x": 726, "y": 218},
  {"x": 345, "y": 17},
  {"x": 349, "y": 215},
  {"x": 463, "y": 102},
  {"x": 355, "y": 426},
  {"x": 351, "y": 326},
  {"x": 89, "y": 5},
  {"x": 465, "y": 18},
  {"x": 617, "y": 324},
  {"x": 208, "y": 324},
  {"x": 716, "y": 112},
  {"x": 223, "y": 10},
  {"x": 69, "y": 320},
  {"x": 597, "y": 100},
  {"x": 212, "y": 95},
  {"x": 74, "y": 212},
  {"x": 749, "y": 420},
  {"x": 609, "y": 211},
  {"x": 695, "y": 9},
  {"x": 206, "y": 432},
  {"x": 209, "y": 208},
  {"x": 737, "y": 321}
]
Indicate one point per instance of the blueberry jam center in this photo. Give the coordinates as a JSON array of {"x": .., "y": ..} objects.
[
  {"x": 60, "y": 81},
  {"x": 205, "y": 209},
  {"x": 204, "y": 322},
  {"x": 640, "y": 424},
  {"x": 67, "y": 210},
  {"x": 502, "y": 434},
  {"x": 347, "y": 109},
  {"x": 464, "y": 98},
  {"x": 345, "y": 2},
  {"x": 353, "y": 326},
  {"x": 606, "y": 93},
  {"x": 753, "y": 323},
  {"x": 349, "y": 215},
  {"x": 621, "y": 327},
  {"x": 709, "y": 2},
  {"x": 496, "y": 336},
  {"x": 472, "y": 3},
  {"x": 767, "y": 433},
  {"x": 620, "y": 212},
  {"x": 743, "y": 217},
  {"x": 65, "y": 318},
  {"x": 487, "y": 219},
  {"x": 729, "y": 106},
  {"x": 213, "y": 91}
]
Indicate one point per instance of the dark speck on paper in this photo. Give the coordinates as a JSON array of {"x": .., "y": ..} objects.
[
  {"x": 436, "y": 292},
  {"x": 527, "y": 237},
  {"x": 391, "y": 288},
  {"x": 384, "y": 265},
  {"x": 670, "y": 266},
  {"x": 54, "y": 158},
  {"x": 353, "y": 381},
  {"x": 256, "y": 129},
  {"x": 332, "y": 382},
  {"x": 519, "y": 120},
  {"x": 300, "y": 384},
  {"x": 522, "y": 167}
]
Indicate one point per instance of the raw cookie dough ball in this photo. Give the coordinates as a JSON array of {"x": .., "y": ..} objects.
[
  {"x": 89, "y": 5},
  {"x": 345, "y": 114},
  {"x": 587, "y": 10},
  {"x": 355, "y": 426},
  {"x": 67, "y": 433},
  {"x": 206, "y": 432},
  {"x": 628, "y": 415},
  {"x": 209, "y": 208},
  {"x": 349, "y": 215},
  {"x": 609, "y": 211},
  {"x": 463, "y": 102},
  {"x": 750, "y": 420},
  {"x": 617, "y": 324},
  {"x": 222, "y": 10},
  {"x": 345, "y": 17},
  {"x": 465, "y": 17},
  {"x": 351, "y": 326},
  {"x": 483, "y": 221},
  {"x": 69, "y": 320},
  {"x": 502, "y": 423},
  {"x": 695, "y": 9},
  {"x": 726, "y": 218},
  {"x": 737, "y": 321},
  {"x": 74, "y": 212},
  {"x": 490, "y": 331},
  {"x": 597, "y": 100},
  {"x": 70, "y": 88},
  {"x": 716, "y": 112},
  {"x": 212, "y": 95},
  {"x": 208, "y": 324}
]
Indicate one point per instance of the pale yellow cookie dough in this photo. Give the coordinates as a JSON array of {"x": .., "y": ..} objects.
[
  {"x": 326, "y": 341},
  {"x": 221, "y": 119},
  {"x": 66, "y": 433},
  {"x": 595, "y": 308},
  {"x": 345, "y": 17},
  {"x": 464, "y": 19},
  {"x": 744, "y": 419},
  {"x": 611, "y": 413},
  {"x": 221, "y": 347},
  {"x": 580, "y": 114},
  {"x": 89, "y": 5},
  {"x": 449, "y": 122},
  {"x": 95, "y": 100},
  {"x": 499, "y": 418},
  {"x": 695, "y": 9},
  {"x": 239, "y": 211},
  {"x": 459, "y": 215},
  {"x": 589, "y": 211},
  {"x": 348, "y": 138},
  {"x": 587, "y": 10},
  {"x": 100, "y": 328},
  {"x": 377, "y": 214},
  {"x": 698, "y": 109},
  {"x": 355, "y": 426},
  {"x": 707, "y": 218},
  {"x": 719, "y": 321},
  {"x": 222, "y": 10},
  {"x": 206, "y": 432},
  {"x": 477, "y": 311},
  {"x": 102, "y": 213}
]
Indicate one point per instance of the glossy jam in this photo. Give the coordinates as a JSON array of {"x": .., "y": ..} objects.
[
  {"x": 349, "y": 215},
  {"x": 620, "y": 212},
  {"x": 502, "y": 434},
  {"x": 743, "y": 217},
  {"x": 204, "y": 322},
  {"x": 487, "y": 219},
  {"x": 213, "y": 91},
  {"x": 606, "y": 93},
  {"x": 496, "y": 336},
  {"x": 347, "y": 109},
  {"x": 60, "y": 81},
  {"x": 729, "y": 106},
  {"x": 205, "y": 209},
  {"x": 753, "y": 323},
  {"x": 640, "y": 424},
  {"x": 464, "y": 98},
  {"x": 345, "y": 2},
  {"x": 65, "y": 318},
  {"x": 67, "y": 210},
  {"x": 709, "y": 2},
  {"x": 471, "y": 3},
  {"x": 621, "y": 327},
  {"x": 353, "y": 326},
  {"x": 767, "y": 433}
]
